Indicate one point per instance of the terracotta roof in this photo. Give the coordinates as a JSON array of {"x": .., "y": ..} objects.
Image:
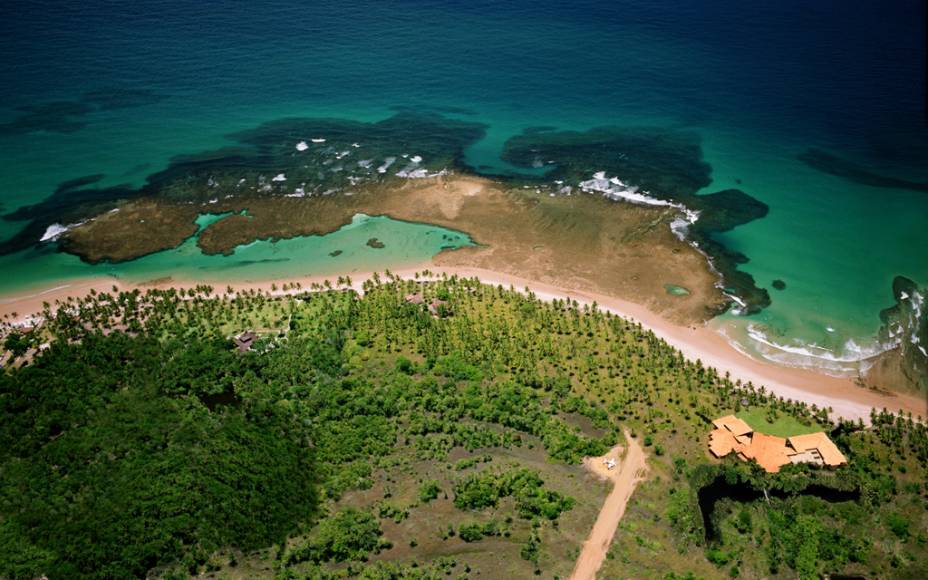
[
  {"x": 830, "y": 453},
  {"x": 768, "y": 451},
  {"x": 721, "y": 442},
  {"x": 733, "y": 424}
]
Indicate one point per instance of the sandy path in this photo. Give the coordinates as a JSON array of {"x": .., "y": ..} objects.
[
  {"x": 625, "y": 477},
  {"x": 696, "y": 342}
]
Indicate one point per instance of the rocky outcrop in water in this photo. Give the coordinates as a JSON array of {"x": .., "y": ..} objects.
[
  {"x": 905, "y": 325},
  {"x": 654, "y": 165},
  {"x": 286, "y": 158}
]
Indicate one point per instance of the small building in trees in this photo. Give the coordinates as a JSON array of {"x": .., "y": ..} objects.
[
  {"x": 439, "y": 308},
  {"x": 245, "y": 341},
  {"x": 414, "y": 298}
]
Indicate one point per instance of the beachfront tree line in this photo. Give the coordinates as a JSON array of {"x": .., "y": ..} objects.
[{"x": 132, "y": 416}]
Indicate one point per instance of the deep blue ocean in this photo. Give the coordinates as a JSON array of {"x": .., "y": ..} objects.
[{"x": 119, "y": 88}]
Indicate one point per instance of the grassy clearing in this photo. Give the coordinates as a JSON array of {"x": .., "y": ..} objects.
[{"x": 779, "y": 424}]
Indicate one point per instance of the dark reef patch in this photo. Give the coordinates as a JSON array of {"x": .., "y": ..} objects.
[
  {"x": 779, "y": 284},
  {"x": 666, "y": 162},
  {"x": 661, "y": 160},
  {"x": 335, "y": 253},
  {"x": 245, "y": 263},
  {"x": 112, "y": 98},
  {"x": 840, "y": 167},
  {"x": 376, "y": 244},
  {"x": 351, "y": 154},
  {"x": 441, "y": 110},
  {"x": 56, "y": 117},
  {"x": 69, "y": 116},
  {"x": 72, "y": 202},
  {"x": 78, "y": 182}
]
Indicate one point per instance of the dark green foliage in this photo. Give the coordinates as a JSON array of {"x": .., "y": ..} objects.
[
  {"x": 485, "y": 489},
  {"x": 105, "y": 476},
  {"x": 405, "y": 366},
  {"x": 807, "y": 545},
  {"x": 428, "y": 491},
  {"x": 899, "y": 525},
  {"x": 18, "y": 343},
  {"x": 474, "y": 532},
  {"x": 348, "y": 535},
  {"x": 532, "y": 548}
]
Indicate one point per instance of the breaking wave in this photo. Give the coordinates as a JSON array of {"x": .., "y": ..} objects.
[
  {"x": 615, "y": 189},
  {"x": 852, "y": 358}
]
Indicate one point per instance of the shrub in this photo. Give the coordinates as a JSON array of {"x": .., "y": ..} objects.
[{"x": 429, "y": 490}]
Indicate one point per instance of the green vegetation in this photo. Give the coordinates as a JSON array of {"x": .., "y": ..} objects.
[
  {"x": 474, "y": 532},
  {"x": 773, "y": 422},
  {"x": 485, "y": 489},
  {"x": 365, "y": 438},
  {"x": 347, "y": 535}
]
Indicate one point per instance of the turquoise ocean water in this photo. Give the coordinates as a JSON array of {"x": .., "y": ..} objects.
[
  {"x": 344, "y": 251},
  {"x": 761, "y": 82}
]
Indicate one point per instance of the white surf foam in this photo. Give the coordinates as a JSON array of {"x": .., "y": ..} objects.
[
  {"x": 616, "y": 189},
  {"x": 386, "y": 164},
  {"x": 851, "y": 352},
  {"x": 55, "y": 231}
]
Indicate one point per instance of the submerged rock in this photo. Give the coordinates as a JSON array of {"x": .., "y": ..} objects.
[
  {"x": 779, "y": 284},
  {"x": 905, "y": 328},
  {"x": 840, "y": 167},
  {"x": 375, "y": 243}
]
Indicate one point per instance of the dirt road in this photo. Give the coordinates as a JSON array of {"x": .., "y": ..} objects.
[{"x": 626, "y": 475}]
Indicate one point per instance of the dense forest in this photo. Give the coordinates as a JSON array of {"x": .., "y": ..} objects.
[{"x": 368, "y": 436}]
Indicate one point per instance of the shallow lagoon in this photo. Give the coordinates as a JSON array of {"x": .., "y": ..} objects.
[{"x": 404, "y": 244}]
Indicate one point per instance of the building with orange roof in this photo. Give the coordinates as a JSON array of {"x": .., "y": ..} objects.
[
  {"x": 820, "y": 444},
  {"x": 770, "y": 452},
  {"x": 722, "y": 442},
  {"x": 733, "y": 424}
]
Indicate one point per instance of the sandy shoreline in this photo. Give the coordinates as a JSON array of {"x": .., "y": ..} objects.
[{"x": 847, "y": 399}]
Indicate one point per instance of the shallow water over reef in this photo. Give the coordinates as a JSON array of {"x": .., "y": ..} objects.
[{"x": 343, "y": 251}]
